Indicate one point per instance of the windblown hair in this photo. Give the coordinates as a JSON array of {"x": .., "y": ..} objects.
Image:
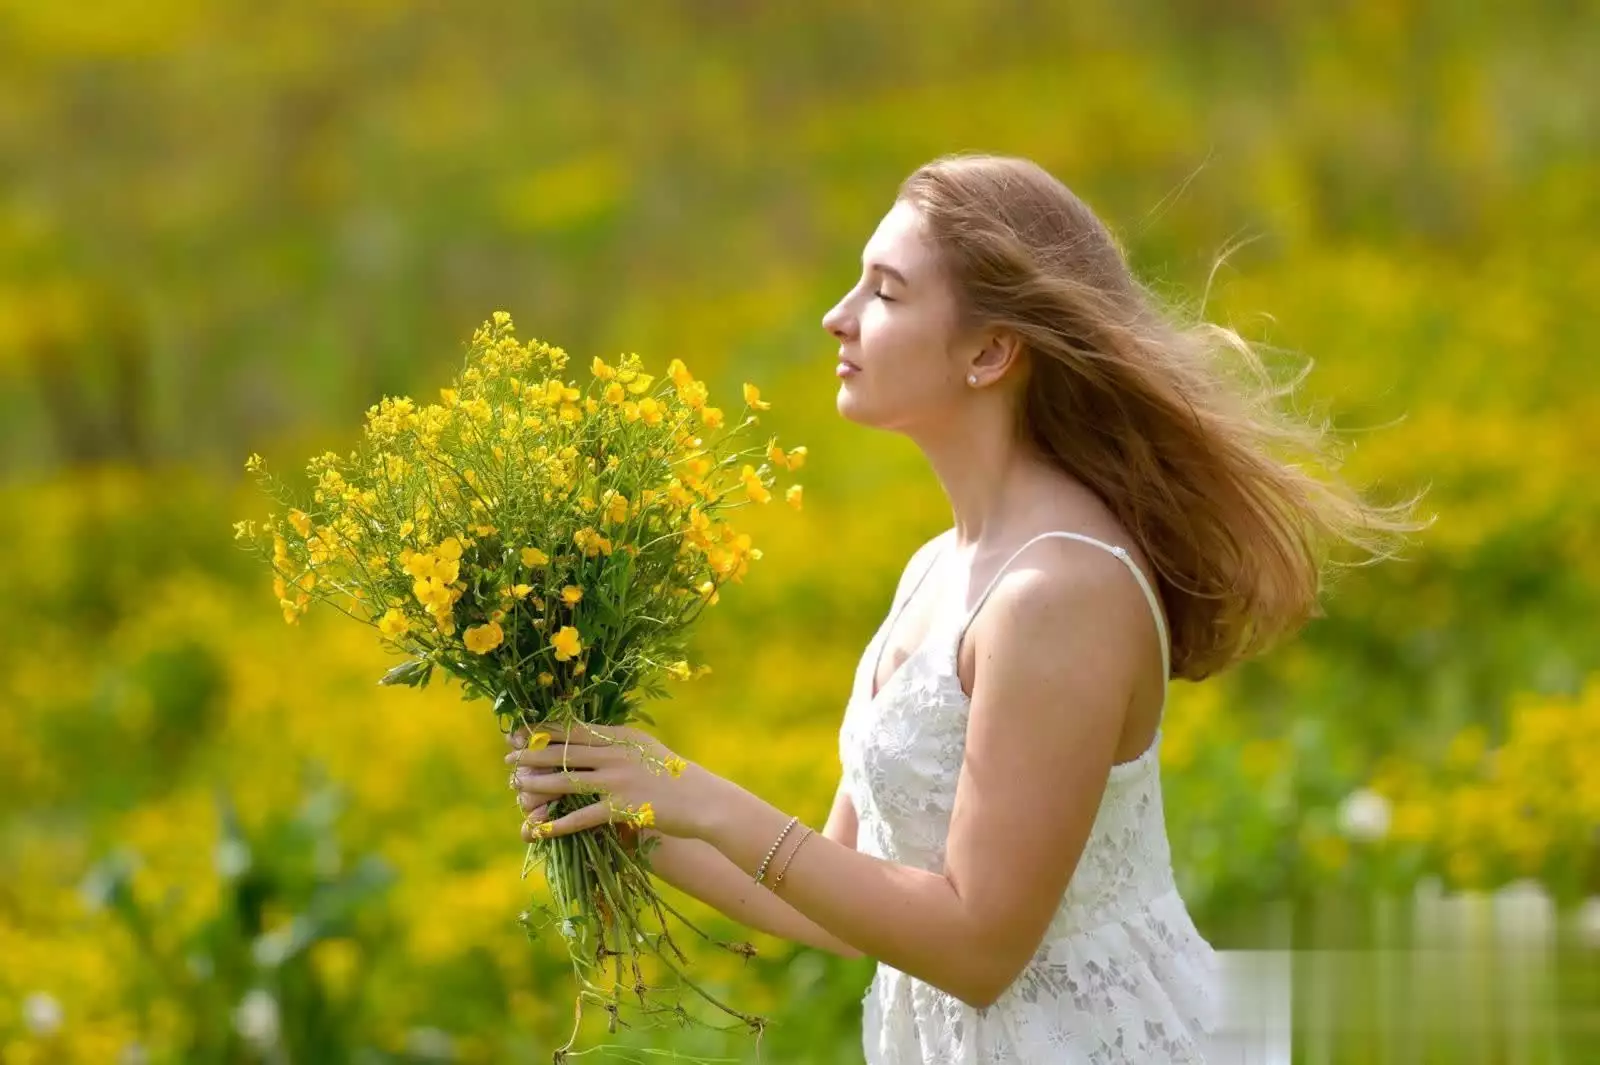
[{"x": 1233, "y": 501}]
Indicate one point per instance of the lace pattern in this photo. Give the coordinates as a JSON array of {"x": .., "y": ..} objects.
[{"x": 1122, "y": 974}]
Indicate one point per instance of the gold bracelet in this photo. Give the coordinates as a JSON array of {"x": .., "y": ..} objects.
[
  {"x": 785, "y": 868},
  {"x": 761, "y": 874}
]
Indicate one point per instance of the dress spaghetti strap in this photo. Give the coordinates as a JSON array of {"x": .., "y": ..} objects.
[{"x": 1127, "y": 560}]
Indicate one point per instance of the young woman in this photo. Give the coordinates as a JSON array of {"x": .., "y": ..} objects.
[{"x": 1124, "y": 512}]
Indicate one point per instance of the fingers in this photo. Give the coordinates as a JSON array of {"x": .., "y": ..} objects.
[
  {"x": 564, "y": 756},
  {"x": 580, "y": 734},
  {"x": 523, "y": 737},
  {"x": 545, "y": 783},
  {"x": 592, "y": 816}
]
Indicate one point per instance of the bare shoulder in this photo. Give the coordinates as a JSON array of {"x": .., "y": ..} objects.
[
  {"x": 1061, "y": 583},
  {"x": 1065, "y": 611}
]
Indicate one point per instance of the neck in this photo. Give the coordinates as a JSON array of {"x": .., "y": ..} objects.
[{"x": 983, "y": 467}]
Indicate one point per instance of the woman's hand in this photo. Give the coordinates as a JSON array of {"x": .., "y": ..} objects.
[{"x": 640, "y": 782}]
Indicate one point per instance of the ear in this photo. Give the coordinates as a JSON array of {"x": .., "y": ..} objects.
[{"x": 1001, "y": 351}]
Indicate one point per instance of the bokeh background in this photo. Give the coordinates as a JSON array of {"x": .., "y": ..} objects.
[{"x": 230, "y": 227}]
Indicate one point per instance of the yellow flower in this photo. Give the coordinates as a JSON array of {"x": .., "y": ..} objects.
[
  {"x": 793, "y": 496},
  {"x": 752, "y": 485},
  {"x": 520, "y": 591},
  {"x": 776, "y": 456},
  {"x": 614, "y": 394},
  {"x": 532, "y": 557},
  {"x": 675, "y": 766},
  {"x": 640, "y": 384},
  {"x": 646, "y": 816},
  {"x": 394, "y": 623},
  {"x": 254, "y": 463},
  {"x": 678, "y": 495},
  {"x": 449, "y": 396},
  {"x": 679, "y": 373},
  {"x": 591, "y": 542},
  {"x": 617, "y": 509},
  {"x": 708, "y": 592},
  {"x": 545, "y": 680},
  {"x": 539, "y": 740},
  {"x": 481, "y": 639},
  {"x": 797, "y": 458},
  {"x": 449, "y": 549},
  {"x": 752, "y": 397},
  {"x": 693, "y": 394},
  {"x": 572, "y": 595},
  {"x": 712, "y": 417},
  {"x": 679, "y": 669},
  {"x": 602, "y": 372},
  {"x": 301, "y": 523},
  {"x": 566, "y": 643},
  {"x": 651, "y": 411},
  {"x": 432, "y": 594}
]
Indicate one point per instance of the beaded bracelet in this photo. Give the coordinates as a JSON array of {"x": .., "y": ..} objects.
[
  {"x": 761, "y": 874},
  {"x": 784, "y": 868}
]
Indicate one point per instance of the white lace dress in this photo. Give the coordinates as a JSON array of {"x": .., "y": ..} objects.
[{"x": 1122, "y": 975}]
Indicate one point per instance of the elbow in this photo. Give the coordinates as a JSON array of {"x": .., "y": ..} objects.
[
  {"x": 986, "y": 976},
  {"x": 979, "y": 996}
]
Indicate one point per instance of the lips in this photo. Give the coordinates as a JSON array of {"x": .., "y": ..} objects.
[{"x": 846, "y": 368}]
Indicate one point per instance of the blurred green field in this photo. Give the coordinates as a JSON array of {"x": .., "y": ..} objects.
[{"x": 228, "y": 228}]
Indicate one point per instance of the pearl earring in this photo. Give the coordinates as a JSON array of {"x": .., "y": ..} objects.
[{"x": 972, "y": 379}]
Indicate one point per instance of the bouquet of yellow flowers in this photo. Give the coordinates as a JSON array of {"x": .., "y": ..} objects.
[{"x": 550, "y": 547}]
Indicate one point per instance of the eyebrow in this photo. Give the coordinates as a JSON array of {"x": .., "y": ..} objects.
[{"x": 890, "y": 271}]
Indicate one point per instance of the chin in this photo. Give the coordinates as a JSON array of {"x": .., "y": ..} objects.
[
  {"x": 853, "y": 408},
  {"x": 850, "y": 407}
]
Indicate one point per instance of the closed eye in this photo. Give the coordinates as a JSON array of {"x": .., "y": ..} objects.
[{"x": 879, "y": 293}]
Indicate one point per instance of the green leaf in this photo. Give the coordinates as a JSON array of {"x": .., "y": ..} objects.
[{"x": 413, "y": 674}]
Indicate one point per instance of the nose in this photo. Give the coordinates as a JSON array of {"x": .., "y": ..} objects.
[{"x": 839, "y": 321}]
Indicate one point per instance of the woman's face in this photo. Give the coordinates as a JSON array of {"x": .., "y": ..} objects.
[{"x": 899, "y": 360}]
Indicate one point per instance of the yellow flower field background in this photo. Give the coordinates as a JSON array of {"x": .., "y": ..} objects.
[{"x": 230, "y": 228}]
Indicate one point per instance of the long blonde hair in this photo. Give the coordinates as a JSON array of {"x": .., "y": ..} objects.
[{"x": 1232, "y": 500}]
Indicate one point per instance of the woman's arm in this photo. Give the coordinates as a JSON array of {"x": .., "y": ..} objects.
[
  {"x": 842, "y": 823},
  {"x": 1036, "y": 765},
  {"x": 700, "y": 869}
]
